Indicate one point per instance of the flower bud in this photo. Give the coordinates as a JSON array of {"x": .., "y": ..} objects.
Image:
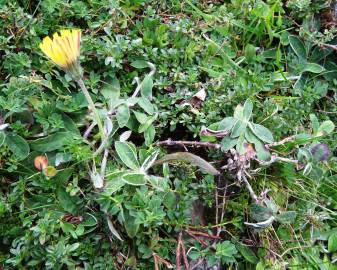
[
  {"x": 50, "y": 171},
  {"x": 41, "y": 162}
]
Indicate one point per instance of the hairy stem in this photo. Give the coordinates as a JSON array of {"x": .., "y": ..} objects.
[
  {"x": 249, "y": 187},
  {"x": 92, "y": 107}
]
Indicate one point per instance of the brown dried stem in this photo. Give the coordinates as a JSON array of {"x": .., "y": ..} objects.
[
  {"x": 181, "y": 251},
  {"x": 169, "y": 142}
]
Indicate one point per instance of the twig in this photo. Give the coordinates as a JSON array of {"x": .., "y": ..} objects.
[
  {"x": 170, "y": 142},
  {"x": 326, "y": 112},
  {"x": 189, "y": 143},
  {"x": 104, "y": 161},
  {"x": 139, "y": 86},
  {"x": 178, "y": 254},
  {"x": 262, "y": 224},
  {"x": 210, "y": 132},
  {"x": 200, "y": 261},
  {"x": 242, "y": 176},
  {"x": 181, "y": 247},
  {"x": 202, "y": 234},
  {"x": 202, "y": 242},
  {"x": 285, "y": 140},
  {"x": 102, "y": 146},
  {"x": 89, "y": 129},
  {"x": 187, "y": 266},
  {"x": 276, "y": 159},
  {"x": 216, "y": 206},
  {"x": 157, "y": 259},
  {"x": 292, "y": 248},
  {"x": 219, "y": 229},
  {"x": 334, "y": 47}
]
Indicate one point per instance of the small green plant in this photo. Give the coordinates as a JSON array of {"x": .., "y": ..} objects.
[
  {"x": 143, "y": 159},
  {"x": 241, "y": 132}
]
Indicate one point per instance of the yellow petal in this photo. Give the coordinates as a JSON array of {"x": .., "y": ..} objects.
[
  {"x": 66, "y": 50},
  {"x": 46, "y": 46},
  {"x": 77, "y": 41},
  {"x": 62, "y": 49},
  {"x": 66, "y": 36}
]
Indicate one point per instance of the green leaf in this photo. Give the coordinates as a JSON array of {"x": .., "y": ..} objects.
[
  {"x": 111, "y": 91},
  {"x": 146, "y": 105},
  {"x": 113, "y": 230},
  {"x": 271, "y": 205},
  {"x": 17, "y": 145},
  {"x": 226, "y": 251},
  {"x": 332, "y": 243},
  {"x": 318, "y": 54},
  {"x": 146, "y": 88},
  {"x": 73, "y": 247},
  {"x": 260, "y": 266},
  {"x": 260, "y": 213},
  {"x": 149, "y": 161},
  {"x": 227, "y": 123},
  {"x": 238, "y": 129},
  {"x": 170, "y": 200},
  {"x": 325, "y": 128},
  {"x": 313, "y": 68},
  {"x": 247, "y": 253},
  {"x": 262, "y": 133},
  {"x": 67, "y": 202},
  {"x": 240, "y": 145},
  {"x": 314, "y": 123},
  {"x": 140, "y": 64},
  {"x": 114, "y": 183},
  {"x": 238, "y": 112},
  {"x": 130, "y": 224},
  {"x": 134, "y": 179},
  {"x": 70, "y": 125},
  {"x": 247, "y": 109},
  {"x": 68, "y": 228},
  {"x": 250, "y": 137},
  {"x": 147, "y": 124},
  {"x": 149, "y": 134},
  {"x": 228, "y": 143},
  {"x": 123, "y": 115},
  {"x": 250, "y": 52},
  {"x": 193, "y": 159},
  {"x": 62, "y": 176},
  {"x": 52, "y": 142},
  {"x": 157, "y": 182},
  {"x": 141, "y": 117},
  {"x": 127, "y": 153},
  {"x": 298, "y": 46},
  {"x": 89, "y": 220},
  {"x": 261, "y": 152},
  {"x": 286, "y": 217}
]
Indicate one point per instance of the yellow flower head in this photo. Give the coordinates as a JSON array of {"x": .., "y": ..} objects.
[{"x": 63, "y": 49}]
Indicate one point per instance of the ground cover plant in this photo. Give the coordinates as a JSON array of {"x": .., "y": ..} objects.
[{"x": 173, "y": 134}]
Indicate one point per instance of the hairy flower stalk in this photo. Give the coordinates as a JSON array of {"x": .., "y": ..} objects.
[{"x": 64, "y": 51}]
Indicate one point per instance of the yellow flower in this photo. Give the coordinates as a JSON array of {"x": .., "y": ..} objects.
[{"x": 63, "y": 49}]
